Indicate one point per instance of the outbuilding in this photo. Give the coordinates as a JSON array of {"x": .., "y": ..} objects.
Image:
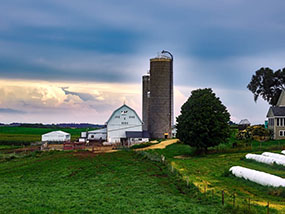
[
  {"x": 56, "y": 136},
  {"x": 95, "y": 135},
  {"x": 243, "y": 124}
]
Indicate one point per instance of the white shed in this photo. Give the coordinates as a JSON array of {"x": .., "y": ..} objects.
[
  {"x": 98, "y": 134},
  {"x": 122, "y": 120},
  {"x": 56, "y": 136}
]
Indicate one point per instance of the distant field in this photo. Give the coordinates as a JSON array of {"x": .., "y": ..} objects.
[
  {"x": 210, "y": 173},
  {"x": 19, "y": 135},
  {"x": 82, "y": 182}
]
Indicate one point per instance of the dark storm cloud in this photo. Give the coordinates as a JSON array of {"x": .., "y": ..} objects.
[
  {"x": 104, "y": 40},
  {"x": 10, "y": 111}
]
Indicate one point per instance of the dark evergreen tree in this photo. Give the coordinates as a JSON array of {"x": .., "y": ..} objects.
[
  {"x": 203, "y": 121},
  {"x": 267, "y": 84}
]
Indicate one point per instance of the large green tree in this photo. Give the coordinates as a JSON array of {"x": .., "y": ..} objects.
[
  {"x": 267, "y": 84},
  {"x": 203, "y": 121}
]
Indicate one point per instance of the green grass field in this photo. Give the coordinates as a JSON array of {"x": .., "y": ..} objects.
[
  {"x": 210, "y": 173},
  {"x": 82, "y": 182},
  {"x": 23, "y": 135}
]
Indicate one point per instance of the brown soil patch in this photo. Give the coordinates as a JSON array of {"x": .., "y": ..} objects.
[{"x": 182, "y": 157}]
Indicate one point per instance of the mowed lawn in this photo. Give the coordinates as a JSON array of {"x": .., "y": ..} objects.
[
  {"x": 18, "y": 135},
  {"x": 82, "y": 182},
  {"x": 210, "y": 173}
]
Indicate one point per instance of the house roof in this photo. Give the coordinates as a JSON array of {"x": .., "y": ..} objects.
[
  {"x": 135, "y": 134},
  {"x": 277, "y": 110},
  {"x": 281, "y": 99},
  {"x": 122, "y": 107}
]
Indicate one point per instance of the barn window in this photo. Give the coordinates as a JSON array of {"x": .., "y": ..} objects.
[
  {"x": 124, "y": 112},
  {"x": 117, "y": 116},
  {"x": 124, "y": 123},
  {"x": 131, "y": 116}
]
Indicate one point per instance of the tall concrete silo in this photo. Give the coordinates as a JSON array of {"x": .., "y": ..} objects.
[
  {"x": 158, "y": 101},
  {"x": 146, "y": 94}
]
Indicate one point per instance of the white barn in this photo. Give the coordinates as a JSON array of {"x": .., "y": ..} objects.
[
  {"x": 123, "y": 119},
  {"x": 56, "y": 136}
]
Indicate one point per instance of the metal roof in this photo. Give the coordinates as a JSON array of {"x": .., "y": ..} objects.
[
  {"x": 244, "y": 122},
  {"x": 135, "y": 134},
  {"x": 57, "y": 133}
]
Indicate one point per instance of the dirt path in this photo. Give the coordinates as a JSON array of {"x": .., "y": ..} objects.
[{"x": 161, "y": 145}]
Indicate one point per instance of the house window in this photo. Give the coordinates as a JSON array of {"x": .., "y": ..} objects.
[
  {"x": 277, "y": 120},
  {"x": 271, "y": 122},
  {"x": 281, "y": 133}
]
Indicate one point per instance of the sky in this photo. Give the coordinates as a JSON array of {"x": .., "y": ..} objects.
[{"x": 77, "y": 61}]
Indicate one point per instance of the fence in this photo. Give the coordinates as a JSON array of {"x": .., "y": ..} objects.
[{"x": 224, "y": 198}]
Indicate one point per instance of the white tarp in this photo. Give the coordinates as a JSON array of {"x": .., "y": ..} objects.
[
  {"x": 283, "y": 152},
  {"x": 265, "y": 159},
  {"x": 274, "y": 155},
  {"x": 262, "y": 178},
  {"x": 56, "y": 136}
]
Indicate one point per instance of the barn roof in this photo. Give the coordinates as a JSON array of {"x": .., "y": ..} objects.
[{"x": 122, "y": 107}]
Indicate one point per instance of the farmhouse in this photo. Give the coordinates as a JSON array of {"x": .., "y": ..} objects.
[
  {"x": 56, "y": 136},
  {"x": 276, "y": 118}
]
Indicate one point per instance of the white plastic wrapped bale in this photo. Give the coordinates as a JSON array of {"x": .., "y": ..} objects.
[
  {"x": 262, "y": 178},
  {"x": 274, "y": 155},
  {"x": 265, "y": 159},
  {"x": 283, "y": 152}
]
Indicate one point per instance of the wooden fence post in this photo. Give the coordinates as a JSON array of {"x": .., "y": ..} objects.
[
  {"x": 187, "y": 181},
  {"x": 223, "y": 198},
  {"x": 267, "y": 207}
]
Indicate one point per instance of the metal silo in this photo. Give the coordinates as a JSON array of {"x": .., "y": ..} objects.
[{"x": 160, "y": 106}]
